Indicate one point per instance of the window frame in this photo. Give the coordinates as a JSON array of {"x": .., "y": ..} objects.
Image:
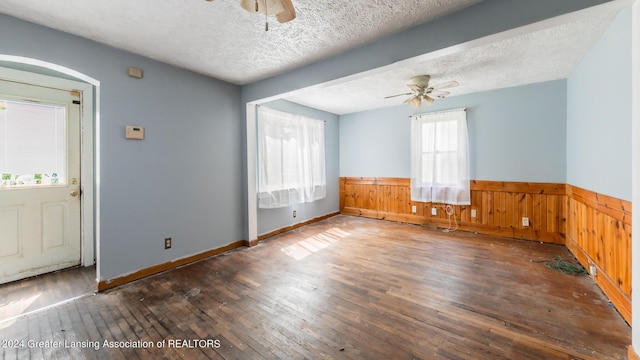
[
  {"x": 427, "y": 186},
  {"x": 306, "y": 165}
]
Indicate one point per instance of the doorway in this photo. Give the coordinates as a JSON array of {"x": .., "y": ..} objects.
[{"x": 46, "y": 200}]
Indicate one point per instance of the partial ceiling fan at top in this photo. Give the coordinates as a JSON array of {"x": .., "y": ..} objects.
[
  {"x": 421, "y": 91},
  {"x": 282, "y": 9}
]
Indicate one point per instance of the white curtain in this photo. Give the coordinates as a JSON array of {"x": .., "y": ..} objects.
[
  {"x": 291, "y": 160},
  {"x": 440, "y": 158}
]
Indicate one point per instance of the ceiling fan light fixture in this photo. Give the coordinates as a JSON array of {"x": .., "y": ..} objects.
[
  {"x": 415, "y": 102},
  {"x": 429, "y": 100}
]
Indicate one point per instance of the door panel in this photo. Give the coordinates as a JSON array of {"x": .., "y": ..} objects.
[
  {"x": 10, "y": 236},
  {"x": 40, "y": 180},
  {"x": 54, "y": 225}
]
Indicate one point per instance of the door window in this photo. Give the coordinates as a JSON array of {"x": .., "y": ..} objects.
[{"x": 32, "y": 144}]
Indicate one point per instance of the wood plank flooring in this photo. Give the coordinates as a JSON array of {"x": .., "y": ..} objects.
[
  {"x": 342, "y": 288},
  {"x": 21, "y": 297}
]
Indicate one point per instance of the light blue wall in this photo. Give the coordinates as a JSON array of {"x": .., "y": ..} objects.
[
  {"x": 272, "y": 219},
  {"x": 599, "y": 114},
  {"x": 183, "y": 181},
  {"x": 515, "y": 134},
  {"x": 376, "y": 143}
]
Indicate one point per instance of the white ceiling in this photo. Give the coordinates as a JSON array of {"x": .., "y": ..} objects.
[{"x": 221, "y": 40}]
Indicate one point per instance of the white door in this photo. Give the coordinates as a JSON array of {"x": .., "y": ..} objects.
[{"x": 40, "y": 180}]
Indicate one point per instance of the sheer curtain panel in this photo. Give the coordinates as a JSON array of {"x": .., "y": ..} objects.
[
  {"x": 440, "y": 158},
  {"x": 291, "y": 159}
]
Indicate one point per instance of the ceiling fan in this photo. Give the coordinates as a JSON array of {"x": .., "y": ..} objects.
[
  {"x": 282, "y": 9},
  {"x": 420, "y": 90}
]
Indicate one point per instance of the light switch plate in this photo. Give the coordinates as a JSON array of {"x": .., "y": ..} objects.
[{"x": 134, "y": 132}]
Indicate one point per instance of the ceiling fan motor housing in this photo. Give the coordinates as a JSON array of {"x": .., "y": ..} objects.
[{"x": 421, "y": 80}]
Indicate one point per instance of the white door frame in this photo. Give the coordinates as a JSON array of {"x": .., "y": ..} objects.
[{"x": 87, "y": 174}]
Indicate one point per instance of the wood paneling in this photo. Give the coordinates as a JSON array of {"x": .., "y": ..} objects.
[
  {"x": 499, "y": 207},
  {"x": 595, "y": 227},
  {"x": 599, "y": 234}
]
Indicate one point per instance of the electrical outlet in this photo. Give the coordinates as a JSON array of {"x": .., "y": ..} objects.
[
  {"x": 525, "y": 221},
  {"x": 167, "y": 243},
  {"x": 434, "y": 211},
  {"x": 474, "y": 213},
  {"x": 295, "y": 213},
  {"x": 413, "y": 209}
]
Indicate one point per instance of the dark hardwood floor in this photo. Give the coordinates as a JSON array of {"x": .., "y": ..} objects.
[
  {"x": 38, "y": 292},
  {"x": 343, "y": 288}
]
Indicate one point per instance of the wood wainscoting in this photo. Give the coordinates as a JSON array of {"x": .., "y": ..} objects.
[
  {"x": 499, "y": 207},
  {"x": 596, "y": 228},
  {"x": 599, "y": 234}
]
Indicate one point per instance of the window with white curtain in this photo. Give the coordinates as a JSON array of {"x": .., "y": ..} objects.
[
  {"x": 291, "y": 159},
  {"x": 440, "y": 158}
]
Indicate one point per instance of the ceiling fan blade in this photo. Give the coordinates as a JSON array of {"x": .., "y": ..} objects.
[
  {"x": 439, "y": 94},
  {"x": 428, "y": 100},
  {"x": 392, "y": 96},
  {"x": 448, "y": 84},
  {"x": 289, "y": 12}
]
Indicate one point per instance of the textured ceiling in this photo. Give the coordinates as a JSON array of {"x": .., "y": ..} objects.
[
  {"x": 221, "y": 40},
  {"x": 543, "y": 55}
]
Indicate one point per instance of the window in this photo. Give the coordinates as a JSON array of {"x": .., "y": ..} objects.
[
  {"x": 32, "y": 144},
  {"x": 291, "y": 165},
  {"x": 439, "y": 158}
]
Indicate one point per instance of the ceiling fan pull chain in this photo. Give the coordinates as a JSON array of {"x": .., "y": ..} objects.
[{"x": 266, "y": 17}]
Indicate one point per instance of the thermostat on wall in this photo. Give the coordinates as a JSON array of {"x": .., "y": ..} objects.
[{"x": 134, "y": 132}]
